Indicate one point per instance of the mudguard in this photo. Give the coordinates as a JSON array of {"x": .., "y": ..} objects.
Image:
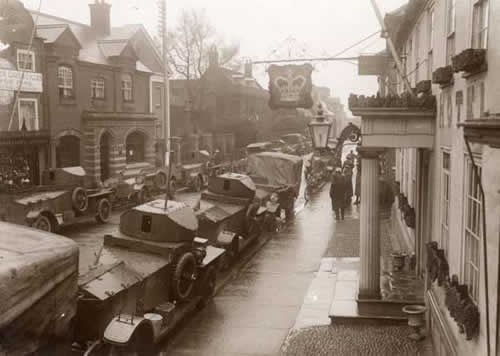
[{"x": 121, "y": 328}]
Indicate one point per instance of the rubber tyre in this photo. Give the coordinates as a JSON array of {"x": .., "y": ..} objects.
[
  {"x": 160, "y": 180},
  {"x": 43, "y": 223},
  {"x": 208, "y": 286},
  {"x": 183, "y": 277},
  {"x": 79, "y": 200},
  {"x": 103, "y": 211},
  {"x": 197, "y": 184}
]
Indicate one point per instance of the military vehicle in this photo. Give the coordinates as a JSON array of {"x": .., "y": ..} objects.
[
  {"x": 279, "y": 173},
  {"x": 148, "y": 275},
  {"x": 38, "y": 286},
  {"x": 229, "y": 215},
  {"x": 64, "y": 198}
]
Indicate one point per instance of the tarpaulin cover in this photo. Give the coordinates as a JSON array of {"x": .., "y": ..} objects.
[
  {"x": 277, "y": 168},
  {"x": 33, "y": 263}
]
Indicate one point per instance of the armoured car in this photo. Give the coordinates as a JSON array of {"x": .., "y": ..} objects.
[
  {"x": 149, "y": 274},
  {"x": 63, "y": 198}
]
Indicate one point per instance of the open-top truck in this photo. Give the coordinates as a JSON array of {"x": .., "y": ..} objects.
[
  {"x": 38, "y": 289},
  {"x": 148, "y": 276}
]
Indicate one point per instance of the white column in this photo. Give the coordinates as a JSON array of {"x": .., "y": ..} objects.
[{"x": 369, "y": 279}]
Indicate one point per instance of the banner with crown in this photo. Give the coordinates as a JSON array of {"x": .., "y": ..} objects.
[{"x": 290, "y": 86}]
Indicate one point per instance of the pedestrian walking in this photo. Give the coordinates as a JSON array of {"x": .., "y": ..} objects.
[
  {"x": 337, "y": 194},
  {"x": 357, "y": 189},
  {"x": 348, "y": 185}
]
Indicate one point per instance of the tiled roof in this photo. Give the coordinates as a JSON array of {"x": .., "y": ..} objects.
[{"x": 94, "y": 47}]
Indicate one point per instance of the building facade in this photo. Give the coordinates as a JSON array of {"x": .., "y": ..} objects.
[
  {"x": 451, "y": 49},
  {"x": 98, "y": 88},
  {"x": 24, "y": 126}
]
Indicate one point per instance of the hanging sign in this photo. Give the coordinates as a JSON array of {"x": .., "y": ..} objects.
[
  {"x": 11, "y": 79},
  {"x": 372, "y": 64},
  {"x": 290, "y": 86}
]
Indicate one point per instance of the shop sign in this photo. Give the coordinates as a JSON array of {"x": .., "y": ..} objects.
[
  {"x": 290, "y": 86},
  {"x": 11, "y": 79},
  {"x": 372, "y": 64}
]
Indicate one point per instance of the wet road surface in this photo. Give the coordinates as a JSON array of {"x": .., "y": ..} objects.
[{"x": 254, "y": 312}]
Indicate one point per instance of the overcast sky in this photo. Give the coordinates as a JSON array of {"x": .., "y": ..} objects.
[{"x": 266, "y": 29}]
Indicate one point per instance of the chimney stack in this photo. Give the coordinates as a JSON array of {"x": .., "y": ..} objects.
[{"x": 100, "y": 20}]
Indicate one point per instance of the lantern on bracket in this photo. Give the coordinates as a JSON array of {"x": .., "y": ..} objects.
[{"x": 319, "y": 128}]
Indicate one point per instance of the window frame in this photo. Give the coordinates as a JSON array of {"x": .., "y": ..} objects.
[
  {"x": 480, "y": 24},
  {"x": 445, "y": 200},
  {"x": 129, "y": 89},
  {"x": 469, "y": 266},
  {"x": 21, "y": 51},
  {"x": 65, "y": 86},
  {"x": 37, "y": 119},
  {"x": 450, "y": 23},
  {"x": 94, "y": 88}
]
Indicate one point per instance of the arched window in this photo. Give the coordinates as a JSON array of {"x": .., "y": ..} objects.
[
  {"x": 127, "y": 87},
  {"x": 68, "y": 151},
  {"x": 65, "y": 81},
  {"x": 135, "y": 147}
]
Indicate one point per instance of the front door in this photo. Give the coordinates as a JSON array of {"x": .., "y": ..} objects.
[{"x": 105, "y": 151}]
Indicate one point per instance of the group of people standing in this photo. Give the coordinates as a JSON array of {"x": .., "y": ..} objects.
[{"x": 341, "y": 191}]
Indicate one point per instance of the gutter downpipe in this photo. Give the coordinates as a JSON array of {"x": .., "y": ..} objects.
[
  {"x": 485, "y": 259},
  {"x": 394, "y": 53}
]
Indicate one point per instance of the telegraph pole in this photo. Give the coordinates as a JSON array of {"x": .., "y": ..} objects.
[{"x": 162, "y": 7}]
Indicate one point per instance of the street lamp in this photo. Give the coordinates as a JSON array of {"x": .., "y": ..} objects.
[{"x": 319, "y": 129}]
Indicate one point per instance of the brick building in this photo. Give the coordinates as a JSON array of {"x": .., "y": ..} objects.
[
  {"x": 98, "y": 88},
  {"x": 24, "y": 126}
]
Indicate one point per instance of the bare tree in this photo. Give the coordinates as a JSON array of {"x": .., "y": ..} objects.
[{"x": 189, "y": 45}]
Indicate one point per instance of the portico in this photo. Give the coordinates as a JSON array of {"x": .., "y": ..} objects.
[{"x": 385, "y": 128}]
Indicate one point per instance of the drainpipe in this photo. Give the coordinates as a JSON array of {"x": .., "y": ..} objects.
[{"x": 485, "y": 248}]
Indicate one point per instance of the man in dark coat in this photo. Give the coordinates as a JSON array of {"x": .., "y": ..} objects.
[
  {"x": 337, "y": 194},
  {"x": 348, "y": 185}
]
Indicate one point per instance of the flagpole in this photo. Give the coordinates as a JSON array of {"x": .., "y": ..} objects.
[{"x": 162, "y": 4}]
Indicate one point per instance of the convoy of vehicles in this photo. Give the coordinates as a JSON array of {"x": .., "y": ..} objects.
[
  {"x": 156, "y": 268},
  {"x": 63, "y": 199}
]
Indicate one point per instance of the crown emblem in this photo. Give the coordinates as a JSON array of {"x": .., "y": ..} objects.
[{"x": 290, "y": 86}]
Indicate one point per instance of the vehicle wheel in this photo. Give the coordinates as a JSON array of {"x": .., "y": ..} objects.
[
  {"x": 103, "y": 211},
  {"x": 142, "y": 196},
  {"x": 43, "y": 223},
  {"x": 79, "y": 199},
  {"x": 197, "y": 184},
  {"x": 160, "y": 180},
  {"x": 184, "y": 276},
  {"x": 173, "y": 188},
  {"x": 208, "y": 286}
]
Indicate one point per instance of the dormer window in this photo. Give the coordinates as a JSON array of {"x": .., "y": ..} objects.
[
  {"x": 25, "y": 60},
  {"x": 65, "y": 81},
  {"x": 127, "y": 87}
]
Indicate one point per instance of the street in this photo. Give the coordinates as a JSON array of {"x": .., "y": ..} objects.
[{"x": 254, "y": 312}]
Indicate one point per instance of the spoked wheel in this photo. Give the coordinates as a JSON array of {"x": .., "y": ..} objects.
[
  {"x": 184, "y": 277},
  {"x": 79, "y": 199},
  {"x": 43, "y": 223},
  {"x": 103, "y": 211}
]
